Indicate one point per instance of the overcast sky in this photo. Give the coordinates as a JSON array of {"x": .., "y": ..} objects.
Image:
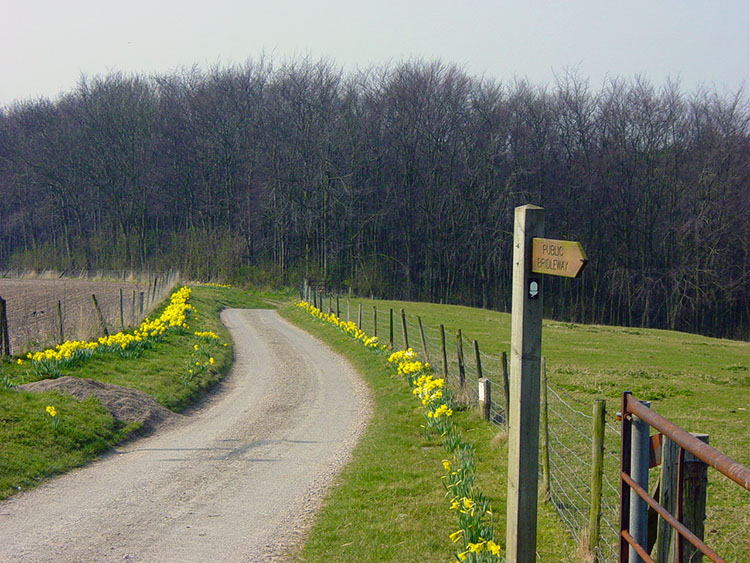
[{"x": 45, "y": 45}]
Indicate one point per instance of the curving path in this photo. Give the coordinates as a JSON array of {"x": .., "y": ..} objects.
[{"x": 237, "y": 480}]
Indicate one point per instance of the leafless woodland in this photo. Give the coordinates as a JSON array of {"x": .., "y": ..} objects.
[{"x": 399, "y": 181}]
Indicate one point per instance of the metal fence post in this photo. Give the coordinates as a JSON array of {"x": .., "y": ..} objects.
[
  {"x": 639, "y": 453},
  {"x": 597, "y": 467}
]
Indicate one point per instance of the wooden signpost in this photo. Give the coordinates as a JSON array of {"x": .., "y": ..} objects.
[{"x": 532, "y": 257}]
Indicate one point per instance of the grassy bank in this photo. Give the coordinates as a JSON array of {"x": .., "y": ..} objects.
[
  {"x": 35, "y": 445},
  {"x": 702, "y": 384}
]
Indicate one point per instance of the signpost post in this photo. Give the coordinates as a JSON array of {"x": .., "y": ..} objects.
[
  {"x": 525, "y": 358},
  {"x": 533, "y": 256}
]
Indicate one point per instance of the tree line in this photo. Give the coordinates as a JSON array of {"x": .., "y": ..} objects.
[{"x": 398, "y": 181}]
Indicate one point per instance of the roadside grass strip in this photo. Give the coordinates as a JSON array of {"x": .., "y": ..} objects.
[{"x": 475, "y": 534}]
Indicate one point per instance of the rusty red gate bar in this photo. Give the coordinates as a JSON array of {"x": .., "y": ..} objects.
[{"x": 724, "y": 464}]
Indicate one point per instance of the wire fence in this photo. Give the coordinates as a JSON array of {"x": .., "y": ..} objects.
[
  {"x": 569, "y": 418},
  {"x": 46, "y": 308},
  {"x": 570, "y": 431}
]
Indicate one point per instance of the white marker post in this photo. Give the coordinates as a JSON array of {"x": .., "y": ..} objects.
[{"x": 525, "y": 360}]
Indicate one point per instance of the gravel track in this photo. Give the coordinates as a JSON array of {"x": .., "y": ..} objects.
[{"x": 237, "y": 480}]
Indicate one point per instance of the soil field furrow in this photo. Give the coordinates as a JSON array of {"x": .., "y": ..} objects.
[{"x": 34, "y": 320}]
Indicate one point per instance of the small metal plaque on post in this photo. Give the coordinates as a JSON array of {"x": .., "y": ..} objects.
[{"x": 533, "y": 288}]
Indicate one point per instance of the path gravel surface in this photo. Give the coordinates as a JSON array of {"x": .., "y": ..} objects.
[{"x": 237, "y": 480}]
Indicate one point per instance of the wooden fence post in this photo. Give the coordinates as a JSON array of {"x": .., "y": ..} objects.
[
  {"x": 140, "y": 308},
  {"x": 4, "y": 335},
  {"x": 122, "y": 313},
  {"x": 61, "y": 333},
  {"x": 132, "y": 310},
  {"x": 424, "y": 340},
  {"x": 359, "y": 319},
  {"x": 485, "y": 397},
  {"x": 99, "y": 315},
  {"x": 403, "y": 328},
  {"x": 460, "y": 359},
  {"x": 478, "y": 360},
  {"x": 666, "y": 551},
  {"x": 691, "y": 493},
  {"x": 544, "y": 426},
  {"x": 338, "y": 311},
  {"x": 445, "y": 354},
  {"x": 390, "y": 329},
  {"x": 693, "y": 501},
  {"x": 597, "y": 469}
]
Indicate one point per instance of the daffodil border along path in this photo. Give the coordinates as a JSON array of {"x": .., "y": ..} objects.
[
  {"x": 474, "y": 530},
  {"x": 236, "y": 480}
]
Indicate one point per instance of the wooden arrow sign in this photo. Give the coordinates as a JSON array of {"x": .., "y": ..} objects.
[{"x": 557, "y": 257}]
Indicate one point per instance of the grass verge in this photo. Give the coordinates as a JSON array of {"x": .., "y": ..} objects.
[
  {"x": 702, "y": 384},
  {"x": 33, "y": 448},
  {"x": 389, "y": 503}
]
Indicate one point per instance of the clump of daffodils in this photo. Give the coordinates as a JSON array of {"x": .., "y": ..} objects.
[
  {"x": 174, "y": 317},
  {"x": 206, "y": 335},
  {"x": 54, "y": 420},
  {"x": 348, "y": 327}
]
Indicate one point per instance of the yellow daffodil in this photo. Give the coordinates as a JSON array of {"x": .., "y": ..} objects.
[
  {"x": 475, "y": 547},
  {"x": 493, "y": 548}
]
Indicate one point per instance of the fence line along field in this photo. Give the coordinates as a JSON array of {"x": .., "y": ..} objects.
[{"x": 37, "y": 309}]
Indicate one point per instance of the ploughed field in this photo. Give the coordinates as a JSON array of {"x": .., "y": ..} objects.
[{"x": 33, "y": 320}]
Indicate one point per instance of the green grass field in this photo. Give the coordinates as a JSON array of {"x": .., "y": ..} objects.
[{"x": 701, "y": 384}]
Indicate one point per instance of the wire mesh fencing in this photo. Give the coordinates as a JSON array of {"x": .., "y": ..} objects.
[
  {"x": 570, "y": 447},
  {"x": 47, "y": 309}
]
